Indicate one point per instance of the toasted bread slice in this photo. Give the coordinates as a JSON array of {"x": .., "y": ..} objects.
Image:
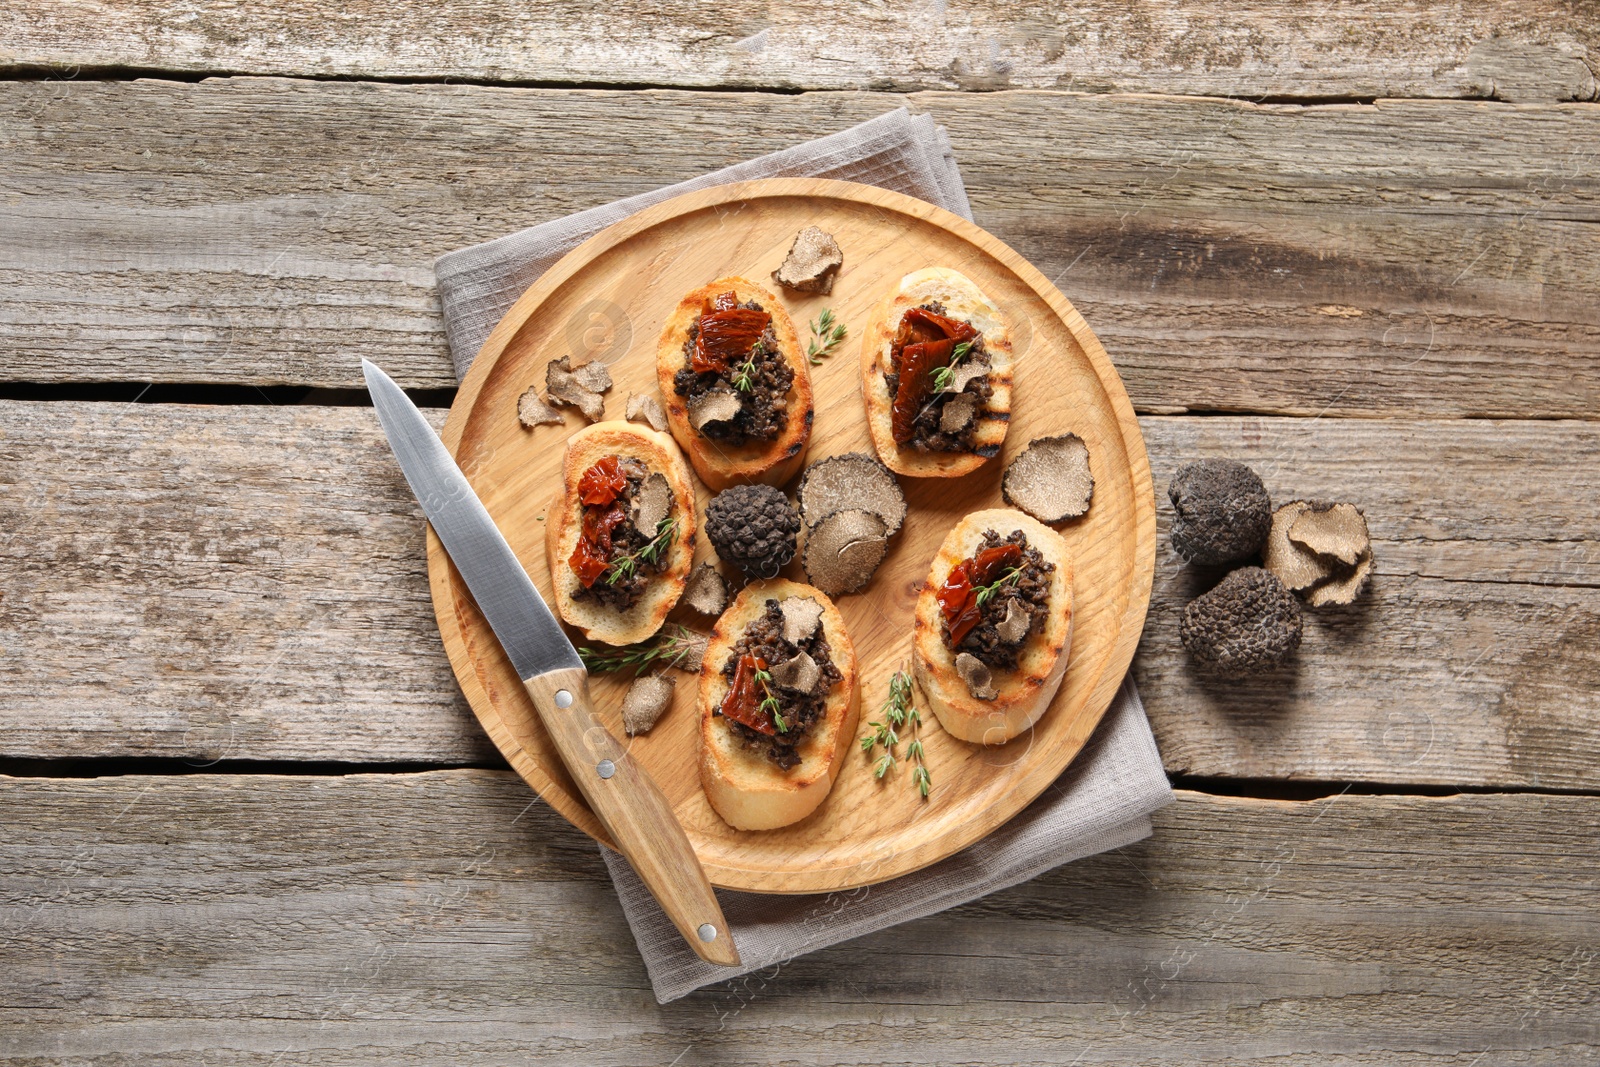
[
  {"x": 962, "y": 300},
  {"x": 564, "y": 525},
  {"x": 1023, "y": 694},
  {"x": 719, "y": 465},
  {"x": 745, "y": 787}
]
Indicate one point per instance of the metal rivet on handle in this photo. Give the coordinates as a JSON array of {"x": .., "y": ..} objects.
[
  {"x": 563, "y": 699},
  {"x": 606, "y": 768},
  {"x": 708, "y": 932}
]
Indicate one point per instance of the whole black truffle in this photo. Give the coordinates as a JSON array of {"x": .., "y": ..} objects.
[
  {"x": 754, "y": 527},
  {"x": 1223, "y": 512},
  {"x": 1249, "y": 622}
]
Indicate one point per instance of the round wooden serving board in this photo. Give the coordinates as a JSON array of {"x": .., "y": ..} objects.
[{"x": 608, "y": 299}]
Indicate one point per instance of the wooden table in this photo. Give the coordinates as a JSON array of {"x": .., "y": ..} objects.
[{"x": 246, "y": 816}]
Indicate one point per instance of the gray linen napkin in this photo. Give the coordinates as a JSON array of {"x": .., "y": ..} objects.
[{"x": 1102, "y": 801}]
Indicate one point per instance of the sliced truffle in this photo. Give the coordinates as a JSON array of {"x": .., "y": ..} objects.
[
  {"x": 754, "y": 527},
  {"x": 958, "y": 413},
  {"x": 1295, "y": 567},
  {"x": 964, "y": 372},
  {"x": 979, "y": 679},
  {"x": 1338, "y": 531},
  {"x": 843, "y": 552},
  {"x": 1248, "y": 623},
  {"x": 651, "y": 504},
  {"x": 693, "y": 645},
  {"x": 1014, "y": 627},
  {"x": 799, "y": 672},
  {"x": 645, "y": 408},
  {"x": 812, "y": 263},
  {"x": 647, "y": 700},
  {"x": 717, "y": 404},
  {"x": 1223, "y": 512},
  {"x": 706, "y": 590},
  {"x": 1342, "y": 588},
  {"x": 533, "y": 411},
  {"x": 801, "y": 616},
  {"x": 579, "y": 388},
  {"x": 1050, "y": 479},
  {"x": 853, "y": 480}
]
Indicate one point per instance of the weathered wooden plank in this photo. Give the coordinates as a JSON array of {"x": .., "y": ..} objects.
[
  {"x": 1511, "y": 50},
  {"x": 218, "y": 583},
  {"x": 365, "y": 919},
  {"x": 1428, "y": 258}
]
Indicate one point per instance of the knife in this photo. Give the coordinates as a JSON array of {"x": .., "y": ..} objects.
[{"x": 627, "y": 801}]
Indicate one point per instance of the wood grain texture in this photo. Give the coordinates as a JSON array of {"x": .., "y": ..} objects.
[
  {"x": 641, "y": 268},
  {"x": 377, "y": 918},
  {"x": 1502, "y": 48},
  {"x": 250, "y": 584},
  {"x": 1408, "y": 258}
]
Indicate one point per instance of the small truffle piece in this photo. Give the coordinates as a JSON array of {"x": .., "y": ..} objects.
[
  {"x": 706, "y": 591},
  {"x": 647, "y": 700},
  {"x": 1014, "y": 627},
  {"x": 533, "y": 411},
  {"x": 812, "y": 263},
  {"x": 1050, "y": 479},
  {"x": 645, "y": 408},
  {"x": 801, "y": 615},
  {"x": 693, "y": 646},
  {"x": 1342, "y": 588},
  {"x": 958, "y": 413},
  {"x": 717, "y": 404},
  {"x": 843, "y": 552},
  {"x": 652, "y": 504},
  {"x": 579, "y": 388},
  {"x": 1248, "y": 623},
  {"x": 1296, "y": 568},
  {"x": 852, "y": 480},
  {"x": 1338, "y": 531},
  {"x": 799, "y": 672},
  {"x": 754, "y": 527},
  {"x": 979, "y": 679},
  {"x": 1223, "y": 512},
  {"x": 964, "y": 372}
]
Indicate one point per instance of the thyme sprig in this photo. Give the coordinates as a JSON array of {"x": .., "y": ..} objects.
[
  {"x": 669, "y": 649},
  {"x": 744, "y": 377},
  {"x": 769, "y": 703},
  {"x": 826, "y": 335},
  {"x": 624, "y": 566},
  {"x": 986, "y": 592},
  {"x": 899, "y": 712},
  {"x": 946, "y": 374}
]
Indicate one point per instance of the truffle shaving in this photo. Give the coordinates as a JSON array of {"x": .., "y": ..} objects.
[
  {"x": 706, "y": 590},
  {"x": 958, "y": 413},
  {"x": 647, "y": 700},
  {"x": 1014, "y": 627},
  {"x": 801, "y": 614},
  {"x": 979, "y": 679},
  {"x": 812, "y": 263},
  {"x": 964, "y": 372},
  {"x": 1295, "y": 567},
  {"x": 692, "y": 651},
  {"x": 843, "y": 552},
  {"x": 800, "y": 673},
  {"x": 1050, "y": 479},
  {"x": 652, "y": 504},
  {"x": 533, "y": 411},
  {"x": 852, "y": 480},
  {"x": 1335, "y": 530},
  {"x": 718, "y": 404},
  {"x": 642, "y": 407},
  {"x": 579, "y": 388},
  {"x": 1342, "y": 588}
]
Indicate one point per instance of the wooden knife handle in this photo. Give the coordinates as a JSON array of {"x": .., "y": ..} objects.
[{"x": 634, "y": 811}]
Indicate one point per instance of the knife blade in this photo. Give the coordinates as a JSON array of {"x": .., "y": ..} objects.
[{"x": 624, "y": 797}]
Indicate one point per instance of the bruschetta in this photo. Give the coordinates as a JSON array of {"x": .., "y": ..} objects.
[
  {"x": 936, "y": 375},
  {"x": 778, "y": 703},
  {"x": 736, "y": 384},
  {"x": 994, "y": 625},
  {"x": 620, "y": 532}
]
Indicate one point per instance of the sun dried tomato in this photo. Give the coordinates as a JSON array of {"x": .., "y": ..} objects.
[
  {"x": 724, "y": 301},
  {"x": 958, "y": 597},
  {"x": 923, "y": 325},
  {"x": 915, "y": 365},
  {"x": 743, "y": 701},
  {"x": 602, "y": 482},
  {"x": 587, "y": 563},
  {"x": 726, "y": 336}
]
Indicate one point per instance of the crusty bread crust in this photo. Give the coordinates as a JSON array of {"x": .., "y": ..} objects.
[
  {"x": 744, "y": 787},
  {"x": 962, "y": 300},
  {"x": 718, "y": 465},
  {"x": 564, "y": 525},
  {"x": 1023, "y": 694}
]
